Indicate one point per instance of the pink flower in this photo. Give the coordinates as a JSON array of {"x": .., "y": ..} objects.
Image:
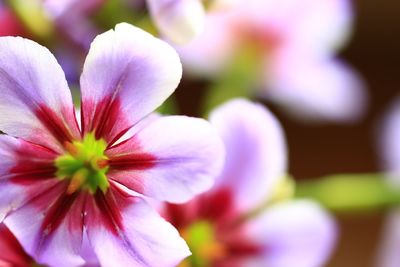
[
  {"x": 226, "y": 227},
  {"x": 294, "y": 42},
  {"x": 390, "y": 153},
  {"x": 65, "y": 186}
]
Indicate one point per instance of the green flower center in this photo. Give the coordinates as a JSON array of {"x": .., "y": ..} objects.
[
  {"x": 85, "y": 165},
  {"x": 203, "y": 243}
]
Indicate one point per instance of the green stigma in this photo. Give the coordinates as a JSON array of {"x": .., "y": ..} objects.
[
  {"x": 85, "y": 165},
  {"x": 203, "y": 243}
]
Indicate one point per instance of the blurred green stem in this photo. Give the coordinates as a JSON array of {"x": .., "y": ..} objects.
[{"x": 351, "y": 192}]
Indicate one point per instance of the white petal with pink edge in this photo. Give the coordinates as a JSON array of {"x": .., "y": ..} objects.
[
  {"x": 178, "y": 20},
  {"x": 35, "y": 101},
  {"x": 147, "y": 240},
  {"x": 127, "y": 74},
  {"x": 256, "y": 153},
  {"x": 173, "y": 158},
  {"x": 297, "y": 233}
]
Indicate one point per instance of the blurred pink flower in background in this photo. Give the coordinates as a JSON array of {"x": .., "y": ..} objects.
[
  {"x": 390, "y": 151},
  {"x": 65, "y": 186},
  {"x": 178, "y": 20},
  {"x": 72, "y": 18},
  {"x": 228, "y": 226},
  {"x": 295, "y": 42},
  {"x": 9, "y": 23}
]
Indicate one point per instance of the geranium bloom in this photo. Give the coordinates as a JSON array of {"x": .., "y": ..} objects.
[
  {"x": 64, "y": 186},
  {"x": 390, "y": 150},
  {"x": 294, "y": 42},
  {"x": 225, "y": 227}
]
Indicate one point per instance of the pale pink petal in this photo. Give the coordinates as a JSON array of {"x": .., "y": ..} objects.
[
  {"x": 315, "y": 88},
  {"x": 296, "y": 233},
  {"x": 50, "y": 227},
  {"x": 390, "y": 141},
  {"x": 256, "y": 153},
  {"x": 127, "y": 74},
  {"x": 135, "y": 235},
  {"x": 179, "y": 20},
  {"x": 389, "y": 255},
  {"x": 210, "y": 52},
  {"x": 35, "y": 101},
  {"x": 172, "y": 158},
  {"x": 319, "y": 26}
]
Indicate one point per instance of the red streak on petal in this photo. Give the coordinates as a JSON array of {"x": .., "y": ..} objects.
[
  {"x": 33, "y": 163},
  {"x": 105, "y": 118},
  {"x": 136, "y": 161},
  {"x": 57, "y": 213},
  {"x": 110, "y": 210},
  {"x": 55, "y": 124},
  {"x": 11, "y": 251}
]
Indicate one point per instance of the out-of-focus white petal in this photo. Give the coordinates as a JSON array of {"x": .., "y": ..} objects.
[
  {"x": 179, "y": 20},
  {"x": 297, "y": 233},
  {"x": 389, "y": 255},
  {"x": 390, "y": 141},
  {"x": 315, "y": 88},
  {"x": 209, "y": 52},
  {"x": 256, "y": 153},
  {"x": 320, "y": 26}
]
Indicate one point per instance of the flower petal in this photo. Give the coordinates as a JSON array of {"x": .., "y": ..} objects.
[
  {"x": 172, "y": 158},
  {"x": 127, "y": 74},
  {"x": 141, "y": 238},
  {"x": 35, "y": 101},
  {"x": 297, "y": 234},
  {"x": 210, "y": 52},
  {"x": 390, "y": 141},
  {"x": 25, "y": 172},
  {"x": 316, "y": 89},
  {"x": 389, "y": 255},
  {"x": 12, "y": 254},
  {"x": 320, "y": 26},
  {"x": 256, "y": 154},
  {"x": 178, "y": 20},
  {"x": 50, "y": 227}
]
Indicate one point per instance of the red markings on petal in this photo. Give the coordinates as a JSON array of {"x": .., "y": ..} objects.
[
  {"x": 105, "y": 118},
  {"x": 136, "y": 161},
  {"x": 57, "y": 213},
  {"x": 33, "y": 163},
  {"x": 56, "y": 125},
  {"x": 110, "y": 210},
  {"x": 12, "y": 252}
]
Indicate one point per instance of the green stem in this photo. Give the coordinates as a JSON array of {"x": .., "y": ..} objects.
[{"x": 351, "y": 192}]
